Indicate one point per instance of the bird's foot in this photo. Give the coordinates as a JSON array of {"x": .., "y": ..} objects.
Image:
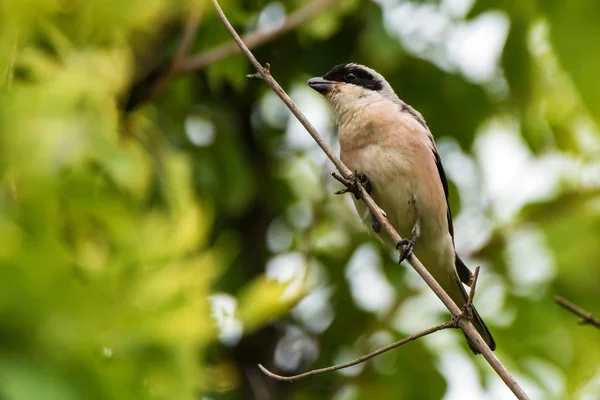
[
  {"x": 407, "y": 246},
  {"x": 352, "y": 184}
]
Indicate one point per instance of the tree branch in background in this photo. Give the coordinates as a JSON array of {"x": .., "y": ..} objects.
[
  {"x": 155, "y": 81},
  {"x": 185, "y": 44},
  {"x": 586, "y": 317},
  {"x": 466, "y": 325},
  {"x": 202, "y": 60},
  {"x": 453, "y": 323},
  {"x": 182, "y": 63}
]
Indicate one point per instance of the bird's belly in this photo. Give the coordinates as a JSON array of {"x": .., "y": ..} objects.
[
  {"x": 396, "y": 189},
  {"x": 393, "y": 188},
  {"x": 398, "y": 209},
  {"x": 404, "y": 184},
  {"x": 433, "y": 248}
]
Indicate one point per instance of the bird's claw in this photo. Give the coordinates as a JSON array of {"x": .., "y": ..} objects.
[
  {"x": 408, "y": 246},
  {"x": 352, "y": 184}
]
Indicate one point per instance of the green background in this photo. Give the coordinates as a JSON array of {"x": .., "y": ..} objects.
[{"x": 160, "y": 246}]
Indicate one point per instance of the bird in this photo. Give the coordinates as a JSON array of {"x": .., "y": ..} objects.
[{"x": 393, "y": 153}]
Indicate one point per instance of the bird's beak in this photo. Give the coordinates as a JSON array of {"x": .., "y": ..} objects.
[{"x": 321, "y": 85}]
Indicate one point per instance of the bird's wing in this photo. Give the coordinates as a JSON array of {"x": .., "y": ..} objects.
[{"x": 463, "y": 271}]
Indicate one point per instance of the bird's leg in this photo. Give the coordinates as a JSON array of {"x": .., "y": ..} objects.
[
  {"x": 408, "y": 245},
  {"x": 352, "y": 184}
]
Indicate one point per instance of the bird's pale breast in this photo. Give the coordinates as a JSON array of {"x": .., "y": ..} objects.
[{"x": 396, "y": 154}]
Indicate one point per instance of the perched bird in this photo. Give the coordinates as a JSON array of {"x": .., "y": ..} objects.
[{"x": 390, "y": 147}]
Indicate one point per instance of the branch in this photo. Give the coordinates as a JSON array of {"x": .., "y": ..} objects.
[
  {"x": 586, "y": 317},
  {"x": 453, "y": 323},
  {"x": 450, "y": 324},
  {"x": 187, "y": 39},
  {"x": 473, "y": 286},
  {"x": 467, "y": 327},
  {"x": 202, "y": 60},
  {"x": 154, "y": 83}
]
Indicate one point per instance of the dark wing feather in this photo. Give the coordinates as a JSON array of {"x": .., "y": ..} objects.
[
  {"x": 463, "y": 271},
  {"x": 440, "y": 168}
]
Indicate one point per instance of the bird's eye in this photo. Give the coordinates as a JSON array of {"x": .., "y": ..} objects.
[{"x": 350, "y": 76}]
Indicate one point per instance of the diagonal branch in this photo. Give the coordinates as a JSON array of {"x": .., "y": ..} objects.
[
  {"x": 265, "y": 74},
  {"x": 586, "y": 317},
  {"x": 466, "y": 325},
  {"x": 202, "y": 60}
]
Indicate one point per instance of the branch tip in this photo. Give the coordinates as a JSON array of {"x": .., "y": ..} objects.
[
  {"x": 341, "y": 179},
  {"x": 473, "y": 286},
  {"x": 586, "y": 317}
]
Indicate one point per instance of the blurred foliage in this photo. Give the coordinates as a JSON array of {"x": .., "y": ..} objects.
[{"x": 161, "y": 247}]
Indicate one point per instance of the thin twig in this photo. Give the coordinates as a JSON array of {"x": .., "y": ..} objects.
[
  {"x": 189, "y": 34},
  {"x": 586, "y": 317},
  {"x": 202, "y": 60},
  {"x": 341, "y": 179},
  {"x": 473, "y": 285},
  {"x": 450, "y": 324},
  {"x": 445, "y": 325},
  {"x": 464, "y": 323},
  {"x": 468, "y": 308},
  {"x": 185, "y": 44}
]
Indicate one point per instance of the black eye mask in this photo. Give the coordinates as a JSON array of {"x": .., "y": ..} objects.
[{"x": 353, "y": 74}]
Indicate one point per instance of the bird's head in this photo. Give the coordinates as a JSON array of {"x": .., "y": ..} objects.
[{"x": 349, "y": 87}]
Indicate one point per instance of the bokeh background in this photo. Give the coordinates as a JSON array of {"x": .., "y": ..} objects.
[{"x": 165, "y": 226}]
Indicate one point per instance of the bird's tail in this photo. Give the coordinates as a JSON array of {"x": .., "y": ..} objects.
[
  {"x": 460, "y": 297},
  {"x": 483, "y": 331}
]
